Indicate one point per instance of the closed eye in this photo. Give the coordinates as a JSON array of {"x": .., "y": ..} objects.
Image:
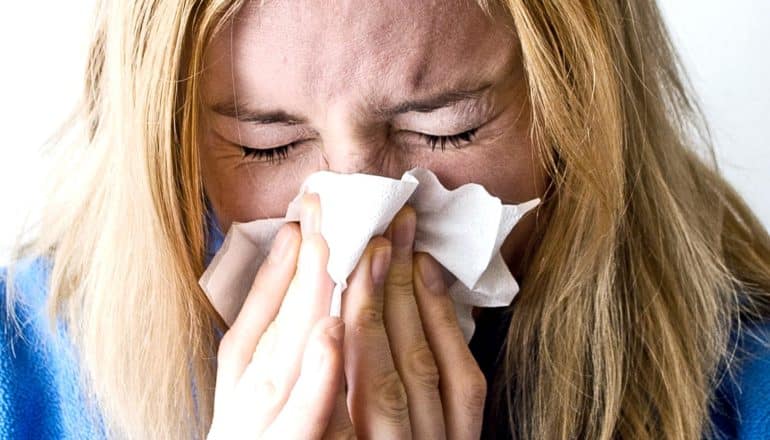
[
  {"x": 455, "y": 140},
  {"x": 270, "y": 155},
  {"x": 278, "y": 154}
]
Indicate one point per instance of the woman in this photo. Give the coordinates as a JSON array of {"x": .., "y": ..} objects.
[{"x": 645, "y": 278}]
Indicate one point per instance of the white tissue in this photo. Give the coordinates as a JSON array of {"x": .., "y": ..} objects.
[{"x": 462, "y": 229}]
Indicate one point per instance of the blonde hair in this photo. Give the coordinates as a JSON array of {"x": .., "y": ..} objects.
[{"x": 645, "y": 261}]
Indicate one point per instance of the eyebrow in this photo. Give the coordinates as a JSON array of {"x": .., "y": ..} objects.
[{"x": 243, "y": 113}]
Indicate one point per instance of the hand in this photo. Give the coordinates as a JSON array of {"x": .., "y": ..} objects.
[
  {"x": 280, "y": 364},
  {"x": 409, "y": 371}
]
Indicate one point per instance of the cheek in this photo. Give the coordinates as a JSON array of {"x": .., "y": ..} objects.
[
  {"x": 529, "y": 181},
  {"x": 505, "y": 164},
  {"x": 241, "y": 191},
  {"x": 510, "y": 170}
]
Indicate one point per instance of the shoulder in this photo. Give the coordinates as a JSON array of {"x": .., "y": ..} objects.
[
  {"x": 30, "y": 282},
  {"x": 39, "y": 384},
  {"x": 23, "y": 293},
  {"x": 742, "y": 400},
  {"x": 24, "y": 290}
]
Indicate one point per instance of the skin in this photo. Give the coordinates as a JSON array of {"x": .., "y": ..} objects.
[
  {"x": 334, "y": 67},
  {"x": 343, "y": 73}
]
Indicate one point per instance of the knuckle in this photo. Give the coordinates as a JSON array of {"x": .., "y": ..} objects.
[
  {"x": 270, "y": 393},
  {"x": 422, "y": 368},
  {"x": 316, "y": 245},
  {"x": 445, "y": 317},
  {"x": 391, "y": 400},
  {"x": 399, "y": 279},
  {"x": 474, "y": 392},
  {"x": 266, "y": 342},
  {"x": 345, "y": 432},
  {"x": 313, "y": 250},
  {"x": 368, "y": 318}
]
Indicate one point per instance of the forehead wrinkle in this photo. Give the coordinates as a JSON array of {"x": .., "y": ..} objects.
[
  {"x": 379, "y": 40},
  {"x": 388, "y": 57},
  {"x": 396, "y": 51},
  {"x": 369, "y": 58}
]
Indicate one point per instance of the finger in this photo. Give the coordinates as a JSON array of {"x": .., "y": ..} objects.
[
  {"x": 310, "y": 214},
  {"x": 306, "y": 301},
  {"x": 463, "y": 386},
  {"x": 340, "y": 426},
  {"x": 260, "y": 307},
  {"x": 411, "y": 352},
  {"x": 307, "y": 411},
  {"x": 376, "y": 396}
]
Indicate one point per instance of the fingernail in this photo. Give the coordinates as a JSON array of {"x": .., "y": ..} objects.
[
  {"x": 430, "y": 274},
  {"x": 281, "y": 245},
  {"x": 380, "y": 263},
  {"x": 337, "y": 331},
  {"x": 309, "y": 221},
  {"x": 403, "y": 231}
]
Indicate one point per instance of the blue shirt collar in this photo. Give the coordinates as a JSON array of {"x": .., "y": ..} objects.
[{"x": 214, "y": 234}]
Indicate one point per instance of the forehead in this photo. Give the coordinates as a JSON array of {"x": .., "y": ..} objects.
[{"x": 380, "y": 50}]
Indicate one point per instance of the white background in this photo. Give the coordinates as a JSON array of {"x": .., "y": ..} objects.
[{"x": 43, "y": 47}]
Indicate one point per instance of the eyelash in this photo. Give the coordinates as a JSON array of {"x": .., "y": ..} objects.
[
  {"x": 270, "y": 155},
  {"x": 278, "y": 154},
  {"x": 454, "y": 140}
]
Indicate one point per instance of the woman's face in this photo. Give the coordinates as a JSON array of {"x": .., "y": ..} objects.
[{"x": 376, "y": 87}]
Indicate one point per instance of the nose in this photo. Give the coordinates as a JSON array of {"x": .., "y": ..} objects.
[
  {"x": 352, "y": 148},
  {"x": 357, "y": 157}
]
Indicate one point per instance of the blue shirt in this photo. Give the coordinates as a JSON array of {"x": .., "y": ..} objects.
[{"x": 41, "y": 398}]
